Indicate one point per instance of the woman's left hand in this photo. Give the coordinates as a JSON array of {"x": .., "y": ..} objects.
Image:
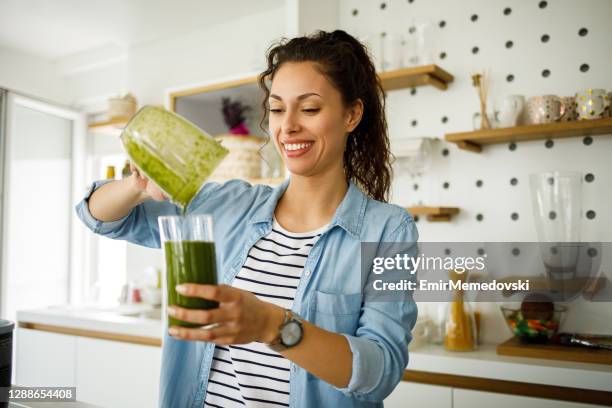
[{"x": 241, "y": 316}]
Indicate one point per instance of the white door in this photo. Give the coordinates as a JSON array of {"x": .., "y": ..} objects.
[{"x": 42, "y": 163}]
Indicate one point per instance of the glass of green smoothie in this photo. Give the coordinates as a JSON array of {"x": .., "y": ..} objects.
[{"x": 189, "y": 251}]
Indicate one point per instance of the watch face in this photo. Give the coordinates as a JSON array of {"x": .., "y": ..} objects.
[{"x": 291, "y": 334}]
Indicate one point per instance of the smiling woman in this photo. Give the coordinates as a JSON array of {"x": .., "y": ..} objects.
[
  {"x": 338, "y": 79},
  {"x": 293, "y": 326}
]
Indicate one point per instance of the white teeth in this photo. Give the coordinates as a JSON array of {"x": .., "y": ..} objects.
[{"x": 297, "y": 146}]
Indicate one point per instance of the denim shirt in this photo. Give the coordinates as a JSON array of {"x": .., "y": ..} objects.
[{"x": 329, "y": 294}]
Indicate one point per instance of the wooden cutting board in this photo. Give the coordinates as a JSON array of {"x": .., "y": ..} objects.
[{"x": 514, "y": 347}]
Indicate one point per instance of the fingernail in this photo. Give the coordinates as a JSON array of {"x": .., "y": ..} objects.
[
  {"x": 172, "y": 331},
  {"x": 171, "y": 310},
  {"x": 181, "y": 289}
]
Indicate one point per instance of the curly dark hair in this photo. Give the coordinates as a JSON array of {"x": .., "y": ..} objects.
[{"x": 348, "y": 66}]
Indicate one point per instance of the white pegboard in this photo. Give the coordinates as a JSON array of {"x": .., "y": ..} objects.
[{"x": 562, "y": 54}]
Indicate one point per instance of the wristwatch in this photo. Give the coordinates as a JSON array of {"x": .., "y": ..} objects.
[{"x": 290, "y": 332}]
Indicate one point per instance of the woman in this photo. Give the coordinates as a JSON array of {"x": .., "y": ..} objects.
[{"x": 293, "y": 327}]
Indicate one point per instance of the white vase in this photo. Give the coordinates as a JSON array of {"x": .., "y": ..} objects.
[{"x": 510, "y": 110}]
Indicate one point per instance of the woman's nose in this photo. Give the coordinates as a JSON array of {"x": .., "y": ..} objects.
[{"x": 290, "y": 123}]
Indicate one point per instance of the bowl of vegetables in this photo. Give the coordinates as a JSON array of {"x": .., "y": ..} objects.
[{"x": 536, "y": 321}]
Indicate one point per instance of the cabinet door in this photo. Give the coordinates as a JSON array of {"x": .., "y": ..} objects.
[
  {"x": 117, "y": 374},
  {"x": 44, "y": 359},
  {"x": 471, "y": 399},
  {"x": 408, "y": 394}
]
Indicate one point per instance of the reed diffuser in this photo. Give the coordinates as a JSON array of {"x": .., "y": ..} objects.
[{"x": 480, "y": 82}]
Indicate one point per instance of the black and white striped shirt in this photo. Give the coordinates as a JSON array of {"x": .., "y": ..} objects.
[{"x": 252, "y": 375}]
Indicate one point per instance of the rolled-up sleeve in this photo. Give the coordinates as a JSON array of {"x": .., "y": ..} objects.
[
  {"x": 97, "y": 226},
  {"x": 380, "y": 344},
  {"x": 139, "y": 226}
]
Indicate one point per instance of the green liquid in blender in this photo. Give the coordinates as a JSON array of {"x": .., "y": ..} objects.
[
  {"x": 189, "y": 262},
  {"x": 171, "y": 151}
]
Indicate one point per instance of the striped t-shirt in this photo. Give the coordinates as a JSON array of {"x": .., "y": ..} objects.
[{"x": 251, "y": 374}]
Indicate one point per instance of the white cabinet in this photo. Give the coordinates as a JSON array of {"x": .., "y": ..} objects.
[
  {"x": 471, "y": 399},
  {"x": 116, "y": 374},
  {"x": 408, "y": 395},
  {"x": 105, "y": 373},
  {"x": 44, "y": 359}
]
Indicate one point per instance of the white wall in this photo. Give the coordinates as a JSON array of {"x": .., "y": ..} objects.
[
  {"x": 89, "y": 90},
  {"x": 31, "y": 75},
  {"x": 203, "y": 55}
]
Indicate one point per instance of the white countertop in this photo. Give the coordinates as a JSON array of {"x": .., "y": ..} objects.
[
  {"x": 483, "y": 363},
  {"x": 486, "y": 363},
  {"x": 119, "y": 320}
]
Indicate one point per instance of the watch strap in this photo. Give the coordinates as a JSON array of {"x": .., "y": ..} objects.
[{"x": 277, "y": 339}]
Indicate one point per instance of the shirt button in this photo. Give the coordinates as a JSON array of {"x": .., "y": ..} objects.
[
  {"x": 307, "y": 272},
  {"x": 294, "y": 368}
]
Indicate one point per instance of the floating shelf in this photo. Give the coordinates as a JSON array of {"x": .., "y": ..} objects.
[
  {"x": 416, "y": 76},
  {"x": 397, "y": 79},
  {"x": 113, "y": 125},
  {"x": 434, "y": 214},
  {"x": 473, "y": 141}
]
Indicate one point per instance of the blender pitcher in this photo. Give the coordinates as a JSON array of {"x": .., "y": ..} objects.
[{"x": 171, "y": 151}]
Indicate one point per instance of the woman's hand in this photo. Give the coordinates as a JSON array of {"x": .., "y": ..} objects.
[
  {"x": 143, "y": 185},
  {"x": 241, "y": 316}
]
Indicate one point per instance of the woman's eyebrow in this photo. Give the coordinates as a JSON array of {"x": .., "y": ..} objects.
[{"x": 299, "y": 98}]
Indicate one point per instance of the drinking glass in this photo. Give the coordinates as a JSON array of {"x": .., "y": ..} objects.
[
  {"x": 189, "y": 251},
  {"x": 557, "y": 207}
]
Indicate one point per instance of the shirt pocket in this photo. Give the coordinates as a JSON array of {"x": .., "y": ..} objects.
[{"x": 336, "y": 312}]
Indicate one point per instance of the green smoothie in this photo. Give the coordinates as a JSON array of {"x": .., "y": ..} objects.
[
  {"x": 173, "y": 152},
  {"x": 189, "y": 262}
]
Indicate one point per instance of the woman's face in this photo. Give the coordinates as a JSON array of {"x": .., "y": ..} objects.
[{"x": 308, "y": 120}]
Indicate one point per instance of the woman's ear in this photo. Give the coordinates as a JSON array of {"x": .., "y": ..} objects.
[{"x": 354, "y": 115}]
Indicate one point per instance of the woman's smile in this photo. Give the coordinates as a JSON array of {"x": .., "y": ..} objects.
[{"x": 294, "y": 149}]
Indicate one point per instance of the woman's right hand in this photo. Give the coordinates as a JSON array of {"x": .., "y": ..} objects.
[{"x": 142, "y": 184}]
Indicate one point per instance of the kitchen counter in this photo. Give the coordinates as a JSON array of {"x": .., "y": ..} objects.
[
  {"x": 133, "y": 323},
  {"x": 486, "y": 363},
  {"x": 138, "y": 322}
]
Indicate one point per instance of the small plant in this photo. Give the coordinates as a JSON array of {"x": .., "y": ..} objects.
[{"x": 233, "y": 114}]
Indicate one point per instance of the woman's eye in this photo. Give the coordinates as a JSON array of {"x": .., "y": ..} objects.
[
  {"x": 311, "y": 110},
  {"x": 275, "y": 110}
]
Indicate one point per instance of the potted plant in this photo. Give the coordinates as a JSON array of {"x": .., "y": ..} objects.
[
  {"x": 243, "y": 160},
  {"x": 233, "y": 115}
]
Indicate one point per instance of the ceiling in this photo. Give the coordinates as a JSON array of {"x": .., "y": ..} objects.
[{"x": 58, "y": 28}]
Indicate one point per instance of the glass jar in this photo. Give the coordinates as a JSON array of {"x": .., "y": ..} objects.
[{"x": 171, "y": 151}]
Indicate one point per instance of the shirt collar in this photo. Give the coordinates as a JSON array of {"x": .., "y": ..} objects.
[{"x": 349, "y": 214}]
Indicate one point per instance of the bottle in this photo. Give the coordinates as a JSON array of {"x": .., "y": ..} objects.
[
  {"x": 460, "y": 332},
  {"x": 126, "y": 172},
  {"x": 110, "y": 172}
]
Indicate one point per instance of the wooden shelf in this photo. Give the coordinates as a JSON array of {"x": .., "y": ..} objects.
[
  {"x": 416, "y": 76},
  {"x": 473, "y": 141},
  {"x": 434, "y": 214},
  {"x": 113, "y": 125},
  {"x": 550, "y": 351},
  {"x": 397, "y": 79}
]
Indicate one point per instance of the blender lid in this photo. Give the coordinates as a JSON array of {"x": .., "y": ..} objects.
[{"x": 6, "y": 326}]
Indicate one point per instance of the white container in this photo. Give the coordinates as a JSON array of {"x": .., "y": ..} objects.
[
  {"x": 243, "y": 160},
  {"x": 123, "y": 107}
]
